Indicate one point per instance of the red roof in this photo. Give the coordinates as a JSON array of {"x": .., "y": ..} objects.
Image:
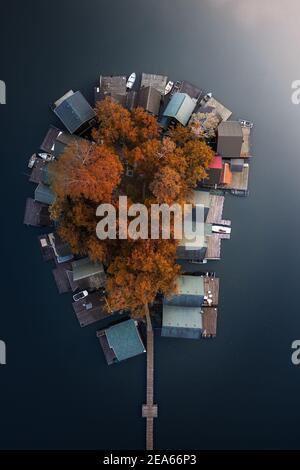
[{"x": 216, "y": 162}]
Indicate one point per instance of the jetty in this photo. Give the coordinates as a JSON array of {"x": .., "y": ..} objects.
[{"x": 149, "y": 410}]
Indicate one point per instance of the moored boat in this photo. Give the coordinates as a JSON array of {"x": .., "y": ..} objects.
[
  {"x": 169, "y": 87},
  {"x": 131, "y": 80}
]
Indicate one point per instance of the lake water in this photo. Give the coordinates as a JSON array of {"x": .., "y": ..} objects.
[{"x": 238, "y": 391}]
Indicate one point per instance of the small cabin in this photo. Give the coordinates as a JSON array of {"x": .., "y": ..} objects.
[{"x": 121, "y": 341}]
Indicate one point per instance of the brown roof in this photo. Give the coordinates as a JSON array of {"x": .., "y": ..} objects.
[
  {"x": 149, "y": 99},
  {"x": 230, "y": 139}
]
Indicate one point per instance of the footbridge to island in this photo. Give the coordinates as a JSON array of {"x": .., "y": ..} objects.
[{"x": 149, "y": 410}]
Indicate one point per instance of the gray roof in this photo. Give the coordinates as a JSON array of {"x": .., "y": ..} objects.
[
  {"x": 39, "y": 173},
  {"x": 74, "y": 111},
  {"x": 36, "y": 213},
  {"x": 44, "y": 194},
  {"x": 180, "y": 107},
  {"x": 84, "y": 268},
  {"x": 149, "y": 99},
  {"x": 237, "y": 164},
  {"x": 192, "y": 90},
  {"x": 182, "y": 317},
  {"x": 230, "y": 139},
  {"x": 156, "y": 81},
  {"x": 190, "y": 292},
  {"x": 124, "y": 339}
]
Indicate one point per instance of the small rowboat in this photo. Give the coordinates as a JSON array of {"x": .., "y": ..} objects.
[
  {"x": 131, "y": 80},
  {"x": 169, "y": 87}
]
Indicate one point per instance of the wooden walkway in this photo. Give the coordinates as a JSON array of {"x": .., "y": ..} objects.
[
  {"x": 149, "y": 410},
  {"x": 215, "y": 212}
]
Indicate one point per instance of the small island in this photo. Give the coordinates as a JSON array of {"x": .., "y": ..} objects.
[{"x": 155, "y": 142}]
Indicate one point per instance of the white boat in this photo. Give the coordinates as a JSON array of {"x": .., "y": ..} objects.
[
  {"x": 206, "y": 98},
  {"x": 32, "y": 160},
  {"x": 169, "y": 87},
  {"x": 46, "y": 156},
  {"x": 131, "y": 80},
  {"x": 245, "y": 123},
  {"x": 221, "y": 229}
]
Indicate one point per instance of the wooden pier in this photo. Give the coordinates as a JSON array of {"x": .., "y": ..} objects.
[
  {"x": 149, "y": 410},
  {"x": 215, "y": 212}
]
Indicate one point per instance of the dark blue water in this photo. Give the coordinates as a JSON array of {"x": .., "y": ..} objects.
[{"x": 239, "y": 391}]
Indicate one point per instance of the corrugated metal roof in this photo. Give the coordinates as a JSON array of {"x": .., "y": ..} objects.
[
  {"x": 180, "y": 107},
  {"x": 84, "y": 268},
  {"x": 175, "y": 332},
  {"x": 182, "y": 317},
  {"x": 190, "y": 292},
  {"x": 44, "y": 194},
  {"x": 125, "y": 340},
  {"x": 74, "y": 111}
]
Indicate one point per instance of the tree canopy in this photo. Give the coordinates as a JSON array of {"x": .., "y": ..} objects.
[{"x": 165, "y": 169}]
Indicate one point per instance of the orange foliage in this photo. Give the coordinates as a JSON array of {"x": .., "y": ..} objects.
[
  {"x": 165, "y": 170},
  {"x": 135, "y": 278},
  {"x": 167, "y": 185},
  {"x": 116, "y": 125},
  {"x": 92, "y": 171}
]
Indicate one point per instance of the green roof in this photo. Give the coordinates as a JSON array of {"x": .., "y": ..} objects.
[
  {"x": 84, "y": 268},
  {"x": 190, "y": 292},
  {"x": 192, "y": 285},
  {"x": 125, "y": 340},
  {"x": 180, "y": 107},
  {"x": 182, "y": 317},
  {"x": 44, "y": 194}
]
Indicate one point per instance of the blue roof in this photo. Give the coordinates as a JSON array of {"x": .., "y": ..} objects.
[
  {"x": 74, "y": 111},
  {"x": 44, "y": 194},
  {"x": 125, "y": 340},
  {"x": 175, "y": 332},
  {"x": 180, "y": 107}
]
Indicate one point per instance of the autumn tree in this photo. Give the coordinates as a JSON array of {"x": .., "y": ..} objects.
[
  {"x": 143, "y": 268},
  {"x": 166, "y": 168},
  {"x": 116, "y": 125},
  {"x": 167, "y": 185},
  {"x": 84, "y": 169},
  {"x": 204, "y": 125}
]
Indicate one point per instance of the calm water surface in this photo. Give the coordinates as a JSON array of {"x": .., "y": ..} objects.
[{"x": 239, "y": 391}]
